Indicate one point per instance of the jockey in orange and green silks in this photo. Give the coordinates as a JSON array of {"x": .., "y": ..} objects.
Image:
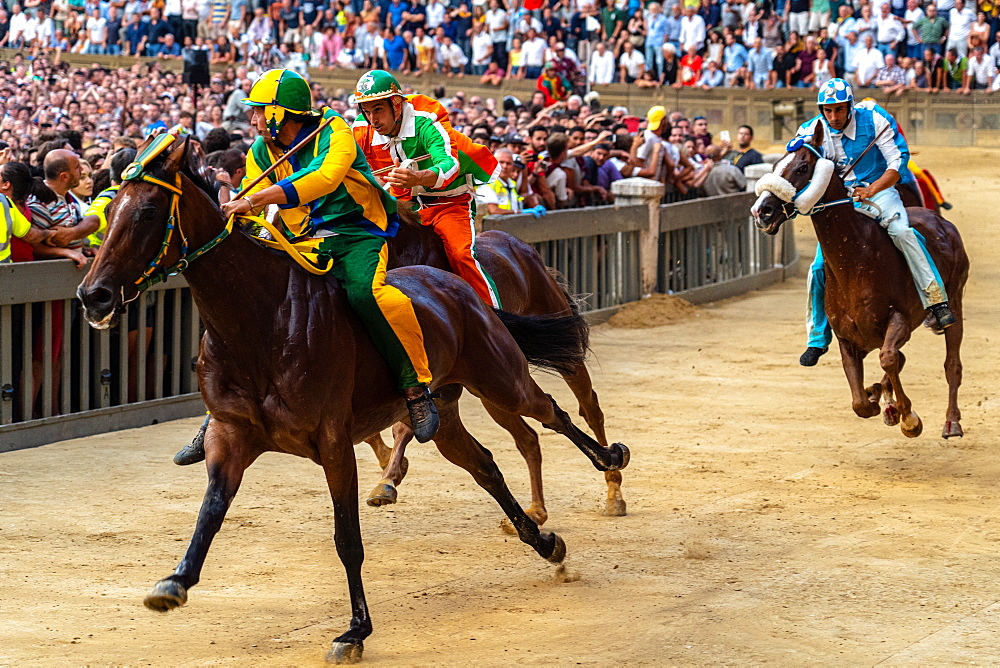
[
  {"x": 430, "y": 163},
  {"x": 326, "y": 193}
]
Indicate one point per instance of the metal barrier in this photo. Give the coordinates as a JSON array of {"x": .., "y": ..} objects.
[
  {"x": 710, "y": 249},
  {"x": 56, "y": 370},
  {"x": 595, "y": 249}
]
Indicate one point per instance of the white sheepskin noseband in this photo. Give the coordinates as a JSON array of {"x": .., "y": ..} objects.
[
  {"x": 776, "y": 185},
  {"x": 822, "y": 174}
]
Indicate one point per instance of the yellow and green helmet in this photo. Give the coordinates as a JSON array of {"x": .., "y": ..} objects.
[
  {"x": 281, "y": 91},
  {"x": 376, "y": 85}
]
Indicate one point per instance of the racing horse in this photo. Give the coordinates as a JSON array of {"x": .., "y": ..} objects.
[
  {"x": 285, "y": 366},
  {"x": 526, "y": 287},
  {"x": 871, "y": 301}
]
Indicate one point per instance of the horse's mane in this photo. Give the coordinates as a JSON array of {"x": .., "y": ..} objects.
[{"x": 193, "y": 168}]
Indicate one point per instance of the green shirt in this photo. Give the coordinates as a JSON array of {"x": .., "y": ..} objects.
[
  {"x": 957, "y": 69},
  {"x": 931, "y": 31}
]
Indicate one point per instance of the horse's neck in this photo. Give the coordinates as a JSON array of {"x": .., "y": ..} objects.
[
  {"x": 842, "y": 232},
  {"x": 417, "y": 244},
  {"x": 238, "y": 286}
]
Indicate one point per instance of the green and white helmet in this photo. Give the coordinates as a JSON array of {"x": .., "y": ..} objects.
[{"x": 376, "y": 85}]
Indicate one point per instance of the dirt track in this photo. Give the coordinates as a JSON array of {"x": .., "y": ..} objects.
[{"x": 766, "y": 522}]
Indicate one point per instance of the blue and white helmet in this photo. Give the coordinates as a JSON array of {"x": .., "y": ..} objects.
[{"x": 835, "y": 91}]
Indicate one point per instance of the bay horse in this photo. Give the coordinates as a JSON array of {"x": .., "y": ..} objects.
[
  {"x": 871, "y": 300},
  {"x": 526, "y": 287},
  {"x": 286, "y": 366}
]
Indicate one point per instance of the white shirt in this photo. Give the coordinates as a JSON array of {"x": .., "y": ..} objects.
[
  {"x": 495, "y": 18},
  {"x": 910, "y": 17},
  {"x": 533, "y": 52},
  {"x": 959, "y": 23},
  {"x": 867, "y": 63},
  {"x": 96, "y": 30},
  {"x": 481, "y": 45},
  {"x": 602, "y": 68},
  {"x": 17, "y": 25},
  {"x": 451, "y": 55},
  {"x": 644, "y": 153},
  {"x": 172, "y": 8},
  {"x": 434, "y": 15},
  {"x": 982, "y": 70},
  {"x": 692, "y": 32},
  {"x": 889, "y": 30},
  {"x": 632, "y": 64}
]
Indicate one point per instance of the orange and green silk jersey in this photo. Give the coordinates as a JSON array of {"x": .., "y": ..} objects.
[
  {"x": 328, "y": 183},
  {"x": 460, "y": 163}
]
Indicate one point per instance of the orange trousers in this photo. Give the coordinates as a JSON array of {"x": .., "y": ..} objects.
[{"x": 454, "y": 220}]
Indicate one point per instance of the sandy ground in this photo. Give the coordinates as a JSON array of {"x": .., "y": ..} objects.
[{"x": 767, "y": 523}]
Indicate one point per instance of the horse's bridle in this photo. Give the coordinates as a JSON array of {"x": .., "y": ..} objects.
[
  {"x": 155, "y": 271},
  {"x": 789, "y": 208}
]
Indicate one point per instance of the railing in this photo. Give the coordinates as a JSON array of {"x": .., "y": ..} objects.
[
  {"x": 55, "y": 368},
  {"x": 709, "y": 249},
  {"x": 60, "y": 379},
  {"x": 595, "y": 249}
]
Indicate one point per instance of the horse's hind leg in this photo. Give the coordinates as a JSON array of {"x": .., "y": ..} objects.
[
  {"x": 890, "y": 414},
  {"x": 227, "y": 458},
  {"x": 590, "y": 409},
  {"x": 460, "y": 448},
  {"x": 526, "y": 440},
  {"x": 865, "y": 404},
  {"x": 382, "y": 451},
  {"x": 953, "y": 372},
  {"x": 341, "y": 471},
  {"x": 394, "y": 469},
  {"x": 898, "y": 333}
]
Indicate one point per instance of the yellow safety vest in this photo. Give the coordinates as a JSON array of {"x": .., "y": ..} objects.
[
  {"x": 12, "y": 223},
  {"x": 507, "y": 197}
]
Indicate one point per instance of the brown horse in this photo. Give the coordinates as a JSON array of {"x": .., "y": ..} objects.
[
  {"x": 526, "y": 287},
  {"x": 870, "y": 298},
  {"x": 285, "y": 366}
]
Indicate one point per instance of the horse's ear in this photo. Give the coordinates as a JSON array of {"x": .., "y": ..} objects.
[
  {"x": 177, "y": 156},
  {"x": 817, "y": 139}
]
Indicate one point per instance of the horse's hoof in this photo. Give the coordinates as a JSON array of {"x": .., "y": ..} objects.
[
  {"x": 890, "y": 415},
  {"x": 871, "y": 409},
  {"x": 383, "y": 494},
  {"x": 952, "y": 428},
  {"x": 559, "y": 551},
  {"x": 911, "y": 425},
  {"x": 625, "y": 456},
  {"x": 615, "y": 508},
  {"x": 345, "y": 652},
  {"x": 166, "y": 595}
]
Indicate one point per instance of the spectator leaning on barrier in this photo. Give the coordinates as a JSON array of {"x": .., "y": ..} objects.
[
  {"x": 724, "y": 178},
  {"x": 743, "y": 154}
]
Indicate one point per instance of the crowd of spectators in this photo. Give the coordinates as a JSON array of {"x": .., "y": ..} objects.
[{"x": 892, "y": 44}]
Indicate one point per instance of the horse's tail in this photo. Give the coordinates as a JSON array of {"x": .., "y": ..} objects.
[{"x": 557, "y": 343}]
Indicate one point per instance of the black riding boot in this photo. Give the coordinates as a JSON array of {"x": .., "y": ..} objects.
[
  {"x": 811, "y": 356},
  {"x": 193, "y": 452},
  {"x": 942, "y": 314},
  {"x": 423, "y": 416}
]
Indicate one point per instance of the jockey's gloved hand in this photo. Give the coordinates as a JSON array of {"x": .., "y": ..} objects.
[{"x": 536, "y": 211}]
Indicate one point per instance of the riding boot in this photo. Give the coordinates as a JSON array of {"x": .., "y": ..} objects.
[
  {"x": 423, "y": 416},
  {"x": 942, "y": 314},
  {"x": 811, "y": 356},
  {"x": 193, "y": 452}
]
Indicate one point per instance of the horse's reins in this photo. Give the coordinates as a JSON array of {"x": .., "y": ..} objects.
[{"x": 155, "y": 272}]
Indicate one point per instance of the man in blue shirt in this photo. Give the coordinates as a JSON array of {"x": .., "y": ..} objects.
[
  {"x": 759, "y": 62},
  {"x": 734, "y": 57},
  {"x": 157, "y": 29},
  {"x": 395, "y": 50},
  {"x": 136, "y": 34},
  {"x": 394, "y": 13},
  {"x": 656, "y": 34},
  {"x": 849, "y": 130}
]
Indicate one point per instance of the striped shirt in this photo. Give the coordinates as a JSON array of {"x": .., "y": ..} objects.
[{"x": 61, "y": 212}]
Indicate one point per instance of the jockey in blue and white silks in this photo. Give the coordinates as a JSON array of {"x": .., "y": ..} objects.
[{"x": 850, "y": 129}]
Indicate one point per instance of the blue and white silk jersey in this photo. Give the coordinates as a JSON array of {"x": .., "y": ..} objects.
[{"x": 867, "y": 120}]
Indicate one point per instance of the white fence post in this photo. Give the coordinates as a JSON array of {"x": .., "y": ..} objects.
[{"x": 648, "y": 192}]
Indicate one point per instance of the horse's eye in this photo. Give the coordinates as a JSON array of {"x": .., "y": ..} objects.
[{"x": 801, "y": 169}]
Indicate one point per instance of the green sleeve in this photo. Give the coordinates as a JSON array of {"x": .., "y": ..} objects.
[{"x": 437, "y": 143}]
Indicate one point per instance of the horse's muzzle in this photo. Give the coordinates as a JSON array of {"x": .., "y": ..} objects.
[
  {"x": 765, "y": 214},
  {"x": 99, "y": 305}
]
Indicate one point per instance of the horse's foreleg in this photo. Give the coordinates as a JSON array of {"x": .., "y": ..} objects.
[
  {"x": 590, "y": 409},
  {"x": 458, "y": 446},
  {"x": 395, "y": 469},
  {"x": 339, "y": 465},
  {"x": 864, "y": 404},
  {"x": 891, "y": 359},
  {"x": 526, "y": 440},
  {"x": 227, "y": 458},
  {"x": 953, "y": 372}
]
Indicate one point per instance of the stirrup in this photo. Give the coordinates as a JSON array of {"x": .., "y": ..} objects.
[
  {"x": 945, "y": 318},
  {"x": 424, "y": 418}
]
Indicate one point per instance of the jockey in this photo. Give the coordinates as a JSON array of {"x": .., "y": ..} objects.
[
  {"x": 850, "y": 129},
  {"x": 326, "y": 191},
  {"x": 396, "y": 131}
]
